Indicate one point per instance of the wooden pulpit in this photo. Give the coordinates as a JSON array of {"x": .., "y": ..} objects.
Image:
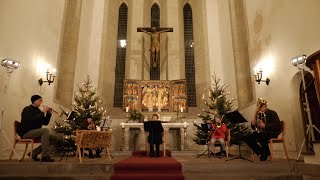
[{"x": 313, "y": 62}]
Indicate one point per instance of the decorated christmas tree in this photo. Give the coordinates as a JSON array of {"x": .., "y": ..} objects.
[
  {"x": 86, "y": 104},
  {"x": 217, "y": 102}
]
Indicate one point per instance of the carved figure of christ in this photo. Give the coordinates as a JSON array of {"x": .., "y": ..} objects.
[{"x": 155, "y": 46}]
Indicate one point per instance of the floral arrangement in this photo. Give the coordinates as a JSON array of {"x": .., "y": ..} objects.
[{"x": 135, "y": 115}]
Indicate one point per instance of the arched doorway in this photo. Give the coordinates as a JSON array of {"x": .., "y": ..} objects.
[{"x": 313, "y": 105}]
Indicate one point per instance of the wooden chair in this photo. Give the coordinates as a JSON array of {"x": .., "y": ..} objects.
[
  {"x": 93, "y": 139},
  {"x": 227, "y": 143},
  {"x": 279, "y": 139},
  {"x": 18, "y": 140}
]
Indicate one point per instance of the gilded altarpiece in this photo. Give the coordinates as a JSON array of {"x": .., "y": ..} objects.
[{"x": 155, "y": 96}]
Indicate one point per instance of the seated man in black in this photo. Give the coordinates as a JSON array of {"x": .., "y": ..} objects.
[
  {"x": 32, "y": 120},
  {"x": 266, "y": 125},
  {"x": 155, "y": 129}
]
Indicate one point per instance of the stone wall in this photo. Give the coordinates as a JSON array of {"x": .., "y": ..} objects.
[{"x": 30, "y": 33}]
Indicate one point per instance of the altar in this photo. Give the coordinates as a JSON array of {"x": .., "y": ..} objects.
[{"x": 142, "y": 142}]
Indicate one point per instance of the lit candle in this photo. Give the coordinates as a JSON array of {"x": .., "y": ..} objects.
[
  {"x": 127, "y": 109},
  {"x": 181, "y": 109},
  {"x": 122, "y": 125},
  {"x": 202, "y": 95},
  {"x": 185, "y": 124}
]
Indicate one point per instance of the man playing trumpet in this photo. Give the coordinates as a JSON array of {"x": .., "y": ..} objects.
[
  {"x": 266, "y": 125},
  {"x": 32, "y": 120}
]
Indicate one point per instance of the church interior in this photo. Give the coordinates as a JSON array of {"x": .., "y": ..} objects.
[{"x": 133, "y": 59}]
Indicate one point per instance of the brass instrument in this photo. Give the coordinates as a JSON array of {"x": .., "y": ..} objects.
[
  {"x": 261, "y": 117},
  {"x": 52, "y": 110}
]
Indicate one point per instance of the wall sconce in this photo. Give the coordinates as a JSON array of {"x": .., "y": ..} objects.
[
  {"x": 10, "y": 64},
  {"x": 258, "y": 77},
  {"x": 50, "y": 77}
]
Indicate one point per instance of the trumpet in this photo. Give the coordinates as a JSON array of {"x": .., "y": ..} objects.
[
  {"x": 52, "y": 110},
  {"x": 261, "y": 117}
]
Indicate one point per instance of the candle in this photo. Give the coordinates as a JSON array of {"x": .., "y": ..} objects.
[
  {"x": 185, "y": 124},
  {"x": 122, "y": 125},
  {"x": 127, "y": 109},
  {"x": 202, "y": 95},
  {"x": 181, "y": 109}
]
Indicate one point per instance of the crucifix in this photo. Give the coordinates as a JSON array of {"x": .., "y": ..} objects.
[{"x": 155, "y": 46}]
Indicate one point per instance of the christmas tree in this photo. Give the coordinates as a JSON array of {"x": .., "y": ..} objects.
[
  {"x": 218, "y": 103},
  {"x": 86, "y": 104}
]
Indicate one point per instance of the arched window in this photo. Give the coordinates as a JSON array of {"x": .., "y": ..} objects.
[
  {"x": 121, "y": 55},
  {"x": 155, "y": 22},
  {"x": 189, "y": 55}
]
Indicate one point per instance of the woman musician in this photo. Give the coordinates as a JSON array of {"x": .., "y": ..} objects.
[
  {"x": 219, "y": 133},
  {"x": 266, "y": 125}
]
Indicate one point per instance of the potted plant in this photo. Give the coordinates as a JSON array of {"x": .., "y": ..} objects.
[{"x": 135, "y": 116}]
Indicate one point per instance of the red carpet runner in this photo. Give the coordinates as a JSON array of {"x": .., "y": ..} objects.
[{"x": 145, "y": 168}]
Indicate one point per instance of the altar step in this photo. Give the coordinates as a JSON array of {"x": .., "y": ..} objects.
[{"x": 192, "y": 169}]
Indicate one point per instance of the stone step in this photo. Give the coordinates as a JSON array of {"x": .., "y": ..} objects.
[
  {"x": 57, "y": 177},
  {"x": 232, "y": 176},
  {"x": 55, "y": 168},
  {"x": 236, "y": 167}
]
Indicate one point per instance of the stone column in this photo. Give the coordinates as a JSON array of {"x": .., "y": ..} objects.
[
  {"x": 182, "y": 139},
  {"x": 174, "y": 59},
  {"x": 241, "y": 53},
  {"x": 126, "y": 138},
  {"x": 134, "y": 45},
  {"x": 68, "y": 52},
  {"x": 166, "y": 134},
  {"x": 142, "y": 143},
  {"x": 88, "y": 57}
]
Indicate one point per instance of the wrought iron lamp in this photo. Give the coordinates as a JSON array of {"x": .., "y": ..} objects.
[
  {"x": 258, "y": 77},
  {"x": 50, "y": 77},
  {"x": 10, "y": 64}
]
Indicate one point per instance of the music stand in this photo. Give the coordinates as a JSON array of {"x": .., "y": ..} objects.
[
  {"x": 205, "y": 128},
  {"x": 72, "y": 116},
  {"x": 236, "y": 118},
  {"x": 104, "y": 124}
]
